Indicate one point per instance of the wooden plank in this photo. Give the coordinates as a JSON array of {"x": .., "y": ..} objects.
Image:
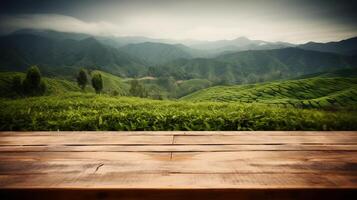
[
  {"x": 217, "y": 139},
  {"x": 218, "y": 162},
  {"x": 185, "y": 133},
  {"x": 74, "y": 139},
  {"x": 84, "y": 139},
  {"x": 176, "y": 161},
  {"x": 175, "y": 194},
  {"x": 178, "y": 181},
  {"x": 177, "y": 148}
]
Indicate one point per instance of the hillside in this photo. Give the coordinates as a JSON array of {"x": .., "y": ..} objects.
[
  {"x": 186, "y": 87},
  {"x": 317, "y": 92},
  {"x": 239, "y": 44},
  {"x": 257, "y": 66},
  {"x": 19, "y": 51},
  {"x": 156, "y": 53},
  {"x": 346, "y": 47},
  {"x": 63, "y": 56},
  {"x": 54, "y": 86},
  {"x": 113, "y": 84},
  {"x": 345, "y": 72}
]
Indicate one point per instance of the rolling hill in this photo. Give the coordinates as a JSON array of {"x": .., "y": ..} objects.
[
  {"x": 113, "y": 84},
  {"x": 318, "y": 92},
  {"x": 54, "y": 86},
  {"x": 257, "y": 66}
]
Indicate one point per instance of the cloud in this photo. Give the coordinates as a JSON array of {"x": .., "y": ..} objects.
[
  {"x": 57, "y": 23},
  {"x": 197, "y": 27}
]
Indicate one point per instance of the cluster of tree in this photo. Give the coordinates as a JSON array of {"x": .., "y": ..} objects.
[
  {"x": 97, "y": 81},
  {"x": 32, "y": 85}
]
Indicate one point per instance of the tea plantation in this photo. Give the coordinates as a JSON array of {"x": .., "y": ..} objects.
[
  {"x": 317, "y": 92},
  {"x": 78, "y": 111}
]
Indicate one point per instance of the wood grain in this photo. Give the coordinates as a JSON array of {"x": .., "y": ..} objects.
[{"x": 224, "y": 164}]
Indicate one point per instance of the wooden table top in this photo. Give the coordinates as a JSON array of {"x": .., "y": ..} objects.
[{"x": 178, "y": 160}]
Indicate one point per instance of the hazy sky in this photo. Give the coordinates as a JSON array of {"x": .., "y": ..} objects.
[{"x": 295, "y": 21}]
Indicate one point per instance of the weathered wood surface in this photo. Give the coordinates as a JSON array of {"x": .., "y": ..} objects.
[{"x": 222, "y": 164}]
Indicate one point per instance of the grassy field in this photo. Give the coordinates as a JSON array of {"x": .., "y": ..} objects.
[
  {"x": 77, "y": 111},
  {"x": 317, "y": 92}
]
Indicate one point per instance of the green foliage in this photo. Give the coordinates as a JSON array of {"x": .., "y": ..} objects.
[
  {"x": 137, "y": 89},
  {"x": 186, "y": 87},
  {"x": 318, "y": 93},
  {"x": 16, "y": 85},
  {"x": 115, "y": 93},
  {"x": 255, "y": 66},
  {"x": 113, "y": 83},
  {"x": 97, "y": 82},
  {"x": 82, "y": 79},
  {"x": 54, "y": 86},
  {"x": 78, "y": 111},
  {"x": 169, "y": 83},
  {"x": 33, "y": 85}
]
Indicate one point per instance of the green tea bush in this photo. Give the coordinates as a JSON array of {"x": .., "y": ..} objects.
[{"x": 77, "y": 111}]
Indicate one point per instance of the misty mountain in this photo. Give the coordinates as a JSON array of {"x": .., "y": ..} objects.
[
  {"x": 253, "y": 66},
  {"x": 18, "y": 51},
  {"x": 50, "y": 34},
  {"x": 239, "y": 44},
  {"x": 55, "y": 52},
  {"x": 156, "y": 53},
  {"x": 113, "y": 41},
  {"x": 199, "y": 48},
  {"x": 345, "y": 47}
]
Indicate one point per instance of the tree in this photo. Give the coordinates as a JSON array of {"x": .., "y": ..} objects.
[
  {"x": 97, "y": 82},
  {"x": 33, "y": 85},
  {"x": 82, "y": 79},
  {"x": 137, "y": 89},
  {"x": 16, "y": 85}
]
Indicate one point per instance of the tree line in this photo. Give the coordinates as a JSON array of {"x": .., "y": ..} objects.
[{"x": 34, "y": 85}]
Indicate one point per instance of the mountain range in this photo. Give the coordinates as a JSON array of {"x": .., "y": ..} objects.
[
  {"x": 19, "y": 51},
  {"x": 231, "y": 61},
  {"x": 345, "y": 47}
]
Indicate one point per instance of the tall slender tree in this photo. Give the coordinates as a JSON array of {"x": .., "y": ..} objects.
[
  {"x": 97, "y": 82},
  {"x": 82, "y": 79}
]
